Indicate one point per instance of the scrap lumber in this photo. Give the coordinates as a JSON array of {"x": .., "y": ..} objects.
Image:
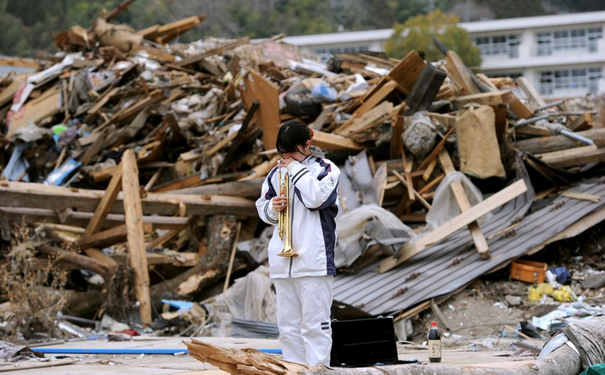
[
  {"x": 105, "y": 205},
  {"x": 582, "y": 122},
  {"x": 484, "y": 98},
  {"x": 573, "y": 157},
  {"x": 464, "y": 219},
  {"x": 212, "y": 266},
  {"x": 464, "y": 205},
  {"x": 367, "y": 105},
  {"x": 182, "y": 259},
  {"x": 416, "y": 194},
  {"x": 531, "y": 92},
  {"x": 36, "y": 110},
  {"x": 19, "y": 214},
  {"x": 136, "y": 233},
  {"x": 407, "y": 71},
  {"x": 109, "y": 237},
  {"x": 81, "y": 261},
  {"x": 334, "y": 142},
  {"x": 21, "y": 194},
  {"x": 559, "y": 142},
  {"x": 245, "y": 189},
  {"x": 161, "y": 240},
  {"x": 216, "y": 51},
  {"x": 460, "y": 75},
  {"x": 581, "y": 196},
  {"x": 258, "y": 89}
]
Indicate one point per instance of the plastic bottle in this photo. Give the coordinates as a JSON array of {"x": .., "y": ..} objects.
[{"x": 434, "y": 339}]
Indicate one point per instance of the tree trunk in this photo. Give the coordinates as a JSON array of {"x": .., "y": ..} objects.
[
  {"x": 81, "y": 261},
  {"x": 220, "y": 235}
]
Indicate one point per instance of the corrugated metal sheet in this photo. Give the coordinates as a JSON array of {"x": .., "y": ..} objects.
[{"x": 436, "y": 272}]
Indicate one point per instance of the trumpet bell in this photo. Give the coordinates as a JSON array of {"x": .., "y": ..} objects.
[{"x": 287, "y": 254}]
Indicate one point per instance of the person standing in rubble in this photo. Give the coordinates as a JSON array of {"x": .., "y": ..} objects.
[{"x": 303, "y": 283}]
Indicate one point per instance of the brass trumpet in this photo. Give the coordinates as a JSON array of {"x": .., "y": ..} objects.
[{"x": 284, "y": 227}]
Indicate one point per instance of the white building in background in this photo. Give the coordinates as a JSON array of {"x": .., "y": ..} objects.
[{"x": 563, "y": 55}]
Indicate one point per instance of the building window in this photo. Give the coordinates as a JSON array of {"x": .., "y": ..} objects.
[
  {"x": 565, "y": 40},
  {"x": 544, "y": 43},
  {"x": 579, "y": 79},
  {"x": 513, "y": 75},
  {"x": 498, "y": 45},
  {"x": 336, "y": 50}
]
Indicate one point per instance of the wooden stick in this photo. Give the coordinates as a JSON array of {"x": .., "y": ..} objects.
[
  {"x": 429, "y": 170},
  {"x": 232, "y": 258},
  {"x": 406, "y": 184},
  {"x": 511, "y": 329},
  {"x": 436, "y": 150},
  {"x": 105, "y": 205},
  {"x": 153, "y": 179}
]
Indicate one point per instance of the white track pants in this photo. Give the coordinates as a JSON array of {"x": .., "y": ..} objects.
[{"x": 303, "y": 318}]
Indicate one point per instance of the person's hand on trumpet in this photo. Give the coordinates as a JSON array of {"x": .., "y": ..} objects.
[{"x": 281, "y": 202}]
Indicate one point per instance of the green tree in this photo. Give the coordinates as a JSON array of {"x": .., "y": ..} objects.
[{"x": 416, "y": 33}]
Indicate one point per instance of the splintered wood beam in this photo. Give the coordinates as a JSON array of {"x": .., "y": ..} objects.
[
  {"x": 462, "y": 200},
  {"x": 464, "y": 219},
  {"x": 136, "y": 233}
]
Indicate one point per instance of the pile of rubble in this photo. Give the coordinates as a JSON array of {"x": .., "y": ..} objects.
[{"x": 120, "y": 125}]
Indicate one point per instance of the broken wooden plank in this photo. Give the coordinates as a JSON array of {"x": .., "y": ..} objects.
[
  {"x": 369, "y": 119},
  {"x": 334, "y": 142},
  {"x": 582, "y": 123},
  {"x": 464, "y": 219},
  {"x": 531, "y": 93},
  {"x": 372, "y": 101},
  {"x": 581, "y": 196},
  {"x": 460, "y": 75},
  {"x": 560, "y": 142},
  {"x": 105, "y": 205},
  {"x": 484, "y": 98},
  {"x": 462, "y": 200},
  {"x": 407, "y": 71},
  {"x": 257, "y": 88},
  {"x": 573, "y": 157},
  {"x": 19, "y": 214},
  {"x": 136, "y": 234},
  {"x": 109, "y": 237},
  {"x": 161, "y": 240},
  {"x": 183, "y": 259},
  {"x": 416, "y": 194},
  {"x": 20, "y": 194}
]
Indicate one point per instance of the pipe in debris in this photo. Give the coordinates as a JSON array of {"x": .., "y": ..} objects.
[
  {"x": 553, "y": 104},
  {"x": 577, "y": 137},
  {"x": 531, "y": 120},
  {"x": 127, "y": 351},
  {"x": 557, "y": 128}
]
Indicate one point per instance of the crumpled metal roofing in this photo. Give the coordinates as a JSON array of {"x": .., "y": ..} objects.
[{"x": 447, "y": 266}]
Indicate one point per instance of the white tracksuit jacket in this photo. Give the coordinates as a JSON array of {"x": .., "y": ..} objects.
[{"x": 314, "y": 206}]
